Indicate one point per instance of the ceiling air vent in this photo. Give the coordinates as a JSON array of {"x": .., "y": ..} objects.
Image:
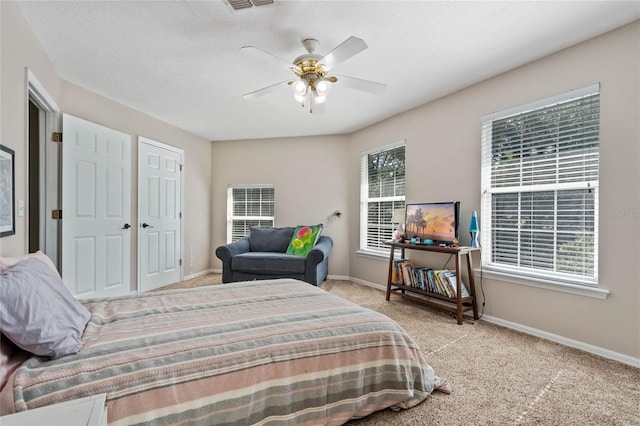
[{"x": 246, "y": 4}]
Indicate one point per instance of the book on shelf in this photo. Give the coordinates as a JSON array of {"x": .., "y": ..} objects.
[
  {"x": 451, "y": 276},
  {"x": 422, "y": 279},
  {"x": 396, "y": 272},
  {"x": 440, "y": 281},
  {"x": 433, "y": 286},
  {"x": 404, "y": 272},
  {"x": 444, "y": 283},
  {"x": 432, "y": 282},
  {"x": 410, "y": 275},
  {"x": 413, "y": 273}
]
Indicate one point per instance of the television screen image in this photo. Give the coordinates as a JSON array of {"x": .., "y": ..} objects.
[{"x": 433, "y": 221}]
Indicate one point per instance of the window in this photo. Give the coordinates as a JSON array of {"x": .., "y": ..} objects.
[
  {"x": 382, "y": 190},
  {"x": 249, "y": 206},
  {"x": 540, "y": 189}
]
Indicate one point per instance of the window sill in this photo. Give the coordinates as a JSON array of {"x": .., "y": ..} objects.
[
  {"x": 596, "y": 293},
  {"x": 373, "y": 254}
]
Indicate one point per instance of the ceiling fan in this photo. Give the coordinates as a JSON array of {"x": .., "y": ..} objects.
[{"x": 313, "y": 81}]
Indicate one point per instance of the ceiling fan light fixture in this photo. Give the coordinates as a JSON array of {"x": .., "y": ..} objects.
[
  {"x": 314, "y": 81},
  {"x": 323, "y": 87},
  {"x": 300, "y": 87}
]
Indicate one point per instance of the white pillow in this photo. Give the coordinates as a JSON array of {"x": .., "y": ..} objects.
[
  {"x": 8, "y": 262},
  {"x": 38, "y": 313}
]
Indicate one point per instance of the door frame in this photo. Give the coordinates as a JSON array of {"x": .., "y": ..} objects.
[
  {"x": 180, "y": 151},
  {"x": 50, "y": 170}
]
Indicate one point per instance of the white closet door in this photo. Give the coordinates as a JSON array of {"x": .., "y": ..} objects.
[
  {"x": 159, "y": 214},
  {"x": 96, "y": 209}
]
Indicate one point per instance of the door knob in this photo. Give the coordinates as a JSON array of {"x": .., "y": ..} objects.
[
  {"x": 146, "y": 225},
  {"x": 126, "y": 226}
]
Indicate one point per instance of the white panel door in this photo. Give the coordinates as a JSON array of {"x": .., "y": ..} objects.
[
  {"x": 96, "y": 209},
  {"x": 159, "y": 214}
]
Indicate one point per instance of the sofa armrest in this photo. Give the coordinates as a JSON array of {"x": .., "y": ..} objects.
[
  {"x": 226, "y": 252},
  {"x": 317, "y": 263},
  {"x": 320, "y": 251}
]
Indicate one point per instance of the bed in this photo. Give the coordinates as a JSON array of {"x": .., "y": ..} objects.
[{"x": 259, "y": 352}]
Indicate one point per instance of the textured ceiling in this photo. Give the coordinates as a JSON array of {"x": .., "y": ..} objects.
[{"x": 181, "y": 62}]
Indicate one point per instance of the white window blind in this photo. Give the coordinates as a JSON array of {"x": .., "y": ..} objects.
[
  {"x": 249, "y": 206},
  {"x": 540, "y": 188},
  {"x": 382, "y": 191}
]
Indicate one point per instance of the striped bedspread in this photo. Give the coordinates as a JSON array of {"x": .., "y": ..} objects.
[{"x": 261, "y": 352}]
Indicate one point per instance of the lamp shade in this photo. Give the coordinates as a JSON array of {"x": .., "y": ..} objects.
[
  {"x": 299, "y": 87},
  {"x": 323, "y": 87},
  {"x": 398, "y": 216}
]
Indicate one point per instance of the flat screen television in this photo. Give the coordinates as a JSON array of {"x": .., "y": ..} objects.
[{"x": 437, "y": 222}]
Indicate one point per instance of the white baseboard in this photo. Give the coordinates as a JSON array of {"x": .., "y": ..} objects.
[
  {"x": 219, "y": 271},
  {"x": 368, "y": 284},
  {"x": 339, "y": 277},
  {"x": 199, "y": 274},
  {"x": 596, "y": 350}
]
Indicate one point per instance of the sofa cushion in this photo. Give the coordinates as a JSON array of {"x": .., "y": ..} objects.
[
  {"x": 268, "y": 263},
  {"x": 270, "y": 239}
]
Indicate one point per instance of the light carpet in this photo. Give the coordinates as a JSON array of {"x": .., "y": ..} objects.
[{"x": 498, "y": 376}]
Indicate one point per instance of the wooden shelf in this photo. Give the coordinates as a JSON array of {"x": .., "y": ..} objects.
[{"x": 457, "y": 305}]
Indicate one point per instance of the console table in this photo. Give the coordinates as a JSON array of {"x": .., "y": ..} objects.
[{"x": 457, "y": 304}]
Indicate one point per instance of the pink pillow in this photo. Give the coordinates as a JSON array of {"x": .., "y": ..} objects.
[{"x": 8, "y": 262}]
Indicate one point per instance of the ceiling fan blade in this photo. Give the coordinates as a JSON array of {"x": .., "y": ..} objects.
[
  {"x": 350, "y": 47},
  {"x": 359, "y": 84},
  {"x": 265, "y": 90},
  {"x": 266, "y": 56}
]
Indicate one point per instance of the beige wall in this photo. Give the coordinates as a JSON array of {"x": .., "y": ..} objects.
[
  {"x": 19, "y": 51},
  {"x": 310, "y": 178},
  {"x": 443, "y": 163}
]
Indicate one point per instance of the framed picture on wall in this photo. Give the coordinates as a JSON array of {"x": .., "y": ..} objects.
[{"x": 7, "y": 192}]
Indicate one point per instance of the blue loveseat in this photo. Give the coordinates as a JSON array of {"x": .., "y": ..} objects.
[{"x": 262, "y": 256}]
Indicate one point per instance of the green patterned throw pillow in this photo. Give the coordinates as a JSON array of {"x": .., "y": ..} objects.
[{"x": 303, "y": 239}]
